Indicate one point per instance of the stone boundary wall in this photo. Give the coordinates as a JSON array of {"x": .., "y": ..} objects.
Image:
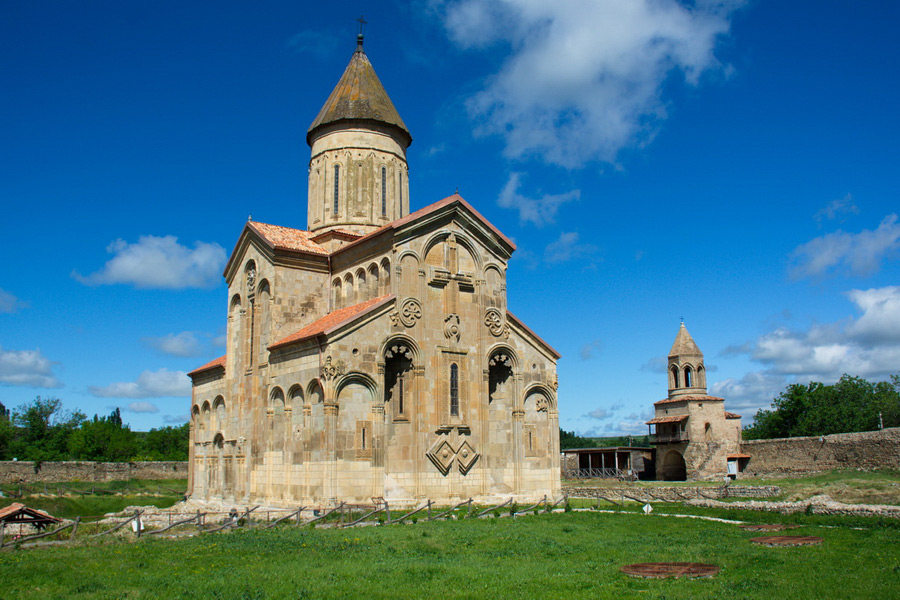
[
  {"x": 865, "y": 451},
  {"x": 26, "y": 472},
  {"x": 817, "y": 505},
  {"x": 674, "y": 494}
]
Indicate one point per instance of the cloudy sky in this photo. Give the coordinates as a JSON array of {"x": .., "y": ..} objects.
[{"x": 734, "y": 164}]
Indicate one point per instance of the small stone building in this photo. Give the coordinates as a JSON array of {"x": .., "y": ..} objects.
[
  {"x": 695, "y": 437},
  {"x": 372, "y": 354}
]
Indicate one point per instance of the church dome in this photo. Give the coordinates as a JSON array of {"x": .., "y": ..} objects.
[{"x": 359, "y": 97}]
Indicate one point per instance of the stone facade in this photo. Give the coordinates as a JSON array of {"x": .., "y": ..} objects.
[
  {"x": 696, "y": 438},
  {"x": 373, "y": 355}
]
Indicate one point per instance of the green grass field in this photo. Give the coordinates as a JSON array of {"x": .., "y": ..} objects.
[{"x": 562, "y": 555}]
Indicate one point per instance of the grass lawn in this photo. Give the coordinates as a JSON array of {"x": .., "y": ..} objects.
[{"x": 563, "y": 555}]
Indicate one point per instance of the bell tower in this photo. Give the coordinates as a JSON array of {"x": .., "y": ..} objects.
[
  {"x": 358, "y": 176},
  {"x": 687, "y": 375}
]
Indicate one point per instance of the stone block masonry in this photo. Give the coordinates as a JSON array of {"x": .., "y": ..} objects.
[
  {"x": 674, "y": 494},
  {"x": 865, "y": 451},
  {"x": 26, "y": 472}
]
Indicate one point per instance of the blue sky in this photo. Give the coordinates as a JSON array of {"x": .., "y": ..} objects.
[{"x": 734, "y": 164}]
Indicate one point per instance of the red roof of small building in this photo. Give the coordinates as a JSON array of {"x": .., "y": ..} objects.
[
  {"x": 219, "y": 362},
  {"x": 19, "y": 513},
  {"x": 691, "y": 398},
  {"x": 669, "y": 419},
  {"x": 332, "y": 320},
  {"x": 731, "y": 415}
]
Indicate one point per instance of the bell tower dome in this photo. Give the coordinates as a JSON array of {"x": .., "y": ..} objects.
[
  {"x": 358, "y": 176},
  {"x": 687, "y": 374}
]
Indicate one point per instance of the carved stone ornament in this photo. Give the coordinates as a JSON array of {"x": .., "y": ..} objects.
[
  {"x": 441, "y": 455},
  {"x": 494, "y": 321},
  {"x": 466, "y": 457},
  {"x": 251, "y": 279},
  {"x": 398, "y": 350},
  {"x": 330, "y": 371},
  {"x": 451, "y": 327},
  {"x": 542, "y": 404},
  {"x": 500, "y": 359},
  {"x": 410, "y": 312}
]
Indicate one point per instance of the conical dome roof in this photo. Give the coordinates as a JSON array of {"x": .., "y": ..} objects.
[
  {"x": 359, "y": 96},
  {"x": 684, "y": 344}
]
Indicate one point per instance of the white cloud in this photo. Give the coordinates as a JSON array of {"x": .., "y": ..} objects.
[
  {"x": 176, "y": 419},
  {"x": 142, "y": 407},
  {"x": 858, "y": 254},
  {"x": 28, "y": 368},
  {"x": 539, "y": 211},
  {"x": 657, "y": 364},
  {"x": 750, "y": 393},
  {"x": 160, "y": 262},
  {"x": 584, "y": 78},
  {"x": 837, "y": 208},
  {"x": 599, "y": 413},
  {"x": 590, "y": 349},
  {"x": 185, "y": 343},
  {"x": 566, "y": 247},
  {"x": 880, "y": 320},
  {"x": 9, "y": 303},
  {"x": 150, "y": 384},
  {"x": 866, "y": 346}
]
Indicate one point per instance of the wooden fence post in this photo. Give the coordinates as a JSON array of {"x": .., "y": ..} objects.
[
  {"x": 75, "y": 528},
  {"x": 387, "y": 511},
  {"x": 299, "y": 510},
  {"x": 199, "y": 522},
  {"x": 2, "y": 532}
]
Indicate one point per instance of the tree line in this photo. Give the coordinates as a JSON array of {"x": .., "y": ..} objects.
[
  {"x": 851, "y": 404},
  {"x": 42, "y": 430}
]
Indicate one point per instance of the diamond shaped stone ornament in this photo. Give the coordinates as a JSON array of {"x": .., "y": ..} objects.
[
  {"x": 442, "y": 455},
  {"x": 466, "y": 457}
]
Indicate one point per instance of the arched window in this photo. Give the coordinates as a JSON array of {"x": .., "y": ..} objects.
[
  {"x": 454, "y": 390},
  {"x": 337, "y": 181},
  {"x": 383, "y": 192},
  {"x": 688, "y": 377},
  {"x": 674, "y": 377},
  {"x": 397, "y": 371}
]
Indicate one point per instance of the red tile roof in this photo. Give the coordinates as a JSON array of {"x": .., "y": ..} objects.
[
  {"x": 333, "y": 320},
  {"x": 219, "y": 362},
  {"x": 731, "y": 415},
  {"x": 286, "y": 238},
  {"x": 669, "y": 419},
  {"x": 337, "y": 232},
  {"x": 739, "y": 456},
  {"x": 693, "y": 398}
]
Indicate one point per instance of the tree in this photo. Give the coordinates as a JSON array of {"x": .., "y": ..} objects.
[
  {"x": 44, "y": 429},
  {"x": 167, "y": 443},
  {"x": 851, "y": 404},
  {"x": 569, "y": 440},
  {"x": 103, "y": 439}
]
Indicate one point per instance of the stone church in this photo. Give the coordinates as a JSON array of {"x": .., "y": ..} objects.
[
  {"x": 696, "y": 438},
  {"x": 372, "y": 354}
]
